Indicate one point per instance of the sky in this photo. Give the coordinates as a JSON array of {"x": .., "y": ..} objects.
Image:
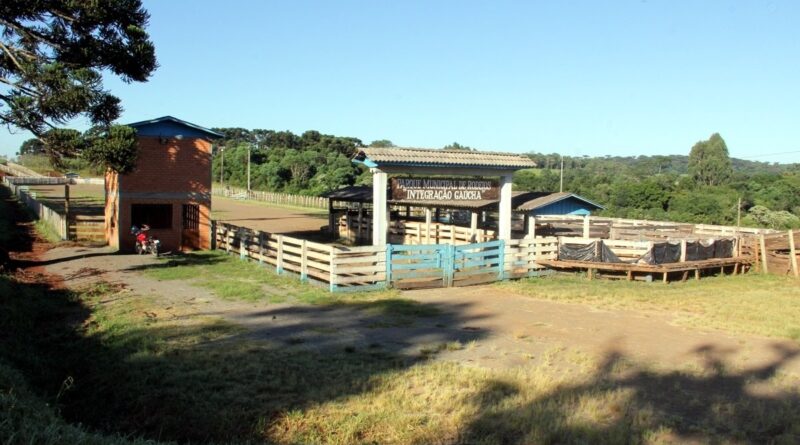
[{"x": 620, "y": 78}]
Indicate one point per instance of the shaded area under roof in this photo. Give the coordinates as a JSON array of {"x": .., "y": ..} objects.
[
  {"x": 395, "y": 156},
  {"x": 520, "y": 201}
]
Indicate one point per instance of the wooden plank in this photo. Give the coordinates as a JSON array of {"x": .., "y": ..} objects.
[
  {"x": 360, "y": 278},
  {"x": 793, "y": 254}
]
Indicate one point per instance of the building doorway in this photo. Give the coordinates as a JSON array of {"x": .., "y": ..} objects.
[{"x": 190, "y": 233}]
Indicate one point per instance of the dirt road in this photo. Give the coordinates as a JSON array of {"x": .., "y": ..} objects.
[{"x": 482, "y": 325}]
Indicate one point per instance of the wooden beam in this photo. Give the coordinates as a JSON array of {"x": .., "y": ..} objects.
[
  {"x": 763, "y": 251},
  {"x": 793, "y": 254}
]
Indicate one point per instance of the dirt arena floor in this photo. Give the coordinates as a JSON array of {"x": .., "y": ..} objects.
[{"x": 300, "y": 222}]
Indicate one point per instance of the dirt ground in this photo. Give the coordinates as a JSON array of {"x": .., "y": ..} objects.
[
  {"x": 272, "y": 219},
  {"x": 492, "y": 327},
  {"x": 88, "y": 200}
]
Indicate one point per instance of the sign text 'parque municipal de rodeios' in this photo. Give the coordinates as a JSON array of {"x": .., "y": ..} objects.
[{"x": 434, "y": 189}]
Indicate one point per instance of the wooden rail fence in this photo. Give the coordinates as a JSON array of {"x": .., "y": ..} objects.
[
  {"x": 52, "y": 218},
  {"x": 343, "y": 268},
  {"x": 270, "y": 197}
]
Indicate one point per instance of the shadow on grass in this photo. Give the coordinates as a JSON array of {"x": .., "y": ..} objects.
[
  {"x": 640, "y": 405},
  {"x": 181, "y": 260}
]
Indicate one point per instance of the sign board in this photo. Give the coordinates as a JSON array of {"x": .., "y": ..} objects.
[{"x": 436, "y": 189}]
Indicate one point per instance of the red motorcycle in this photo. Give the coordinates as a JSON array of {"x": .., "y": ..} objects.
[{"x": 144, "y": 242}]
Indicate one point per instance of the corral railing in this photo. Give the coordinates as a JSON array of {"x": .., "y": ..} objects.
[
  {"x": 46, "y": 180},
  {"x": 778, "y": 253},
  {"x": 343, "y": 268},
  {"x": 270, "y": 197},
  {"x": 634, "y": 229},
  {"x": 414, "y": 232},
  {"x": 17, "y": 170},
  {"x": 55, "y": 220}
]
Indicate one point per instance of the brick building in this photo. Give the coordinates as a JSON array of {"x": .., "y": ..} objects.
[{"x": 170, "y": 189}]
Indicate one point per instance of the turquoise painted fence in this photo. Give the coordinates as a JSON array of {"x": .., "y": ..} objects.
[{"x": 444, "y": 265}]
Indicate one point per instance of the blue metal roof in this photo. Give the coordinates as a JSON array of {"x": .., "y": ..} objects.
[{"x": 169, "y": 126}]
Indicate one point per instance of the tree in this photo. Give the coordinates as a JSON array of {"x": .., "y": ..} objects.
[
  {"x": 33, "y": 146},
  {"x": 54, "y": 54},
  {"x": 457, "y": 146},
  {"x": 382, "y": 143},
  {"x": 709, "y": 162}
]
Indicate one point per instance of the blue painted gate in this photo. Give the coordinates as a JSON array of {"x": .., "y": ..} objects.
[{"x": 444, "y": 265}]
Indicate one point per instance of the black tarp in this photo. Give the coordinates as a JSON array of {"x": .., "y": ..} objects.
[
  {"x": 595, "y": 251},
  {"x": 662, "y": 253},
  {"x": 699, "y": 250}
]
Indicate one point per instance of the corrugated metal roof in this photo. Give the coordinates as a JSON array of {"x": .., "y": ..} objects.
[
  {"x": 460, "y": 158},
  {"x": 537, "y": 200},
  {"x": 175, "y": 120}
]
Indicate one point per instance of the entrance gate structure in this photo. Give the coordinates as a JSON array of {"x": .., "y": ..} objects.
[{"x": 444, "y": 265}]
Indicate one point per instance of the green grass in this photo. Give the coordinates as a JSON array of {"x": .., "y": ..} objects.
[
  {"x": 752, "y": 304},
  {"x": 129, "y": 366},
  {"x": 231, "y": 278}
]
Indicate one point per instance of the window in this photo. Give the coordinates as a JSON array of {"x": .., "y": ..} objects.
[
  {"x": 157, "y": 216},
  {"x": 191, "y": 217}
]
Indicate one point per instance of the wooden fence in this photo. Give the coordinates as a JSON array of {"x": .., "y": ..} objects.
[
  {"x": 637, "y": 230},
  {"x": 270, "y": 197},
  {"x": 413, "y": 232},
  {"x": 778, "y": 253},
  {"x": 342, "y": 268},
  {"x": 43, "y": 213}
]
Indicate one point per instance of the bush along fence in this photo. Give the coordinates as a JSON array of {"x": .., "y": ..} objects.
[
  {"x": 343, "y": 269},
  {"x": 55, "y": 220},
  {"x": 270, "y": 197}
]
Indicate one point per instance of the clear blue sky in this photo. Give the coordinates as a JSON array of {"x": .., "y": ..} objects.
[{"x": 575, "y": 77}]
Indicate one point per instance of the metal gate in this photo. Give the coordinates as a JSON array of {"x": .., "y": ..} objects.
[{"x": 443, "y": 265}]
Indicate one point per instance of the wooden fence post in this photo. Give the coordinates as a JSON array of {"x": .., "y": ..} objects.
[
  {"x": 242, "y": 245},
  {"x": 763, "y": 251},
  {"x": 279, "y": 260},
  {"x": 793, "y": 254},
  {"x": 260, "y": 247},
  {"x": 303, "y": 260},
  {"x": 683, "y": 251}
]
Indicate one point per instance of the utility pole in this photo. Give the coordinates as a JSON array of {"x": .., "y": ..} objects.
[
  {"x": 739, "y": 214},
  {"x": 222, "y": 166},
  {"x": 249, "y": 147},
  {"x": 561, "y": 187}
]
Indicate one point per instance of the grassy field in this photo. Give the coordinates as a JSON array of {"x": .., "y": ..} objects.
[
  {"x": 752, "y": 304},
  {"x": 128, "y": 366}
]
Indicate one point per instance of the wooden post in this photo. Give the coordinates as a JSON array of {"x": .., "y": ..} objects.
[
  {"x": 685, "y": 275},
  {"x": 427, "y": 225},
  {"x": 665, "y": 275},
  {"x": 504, "y": 220},
  {"x": 360, "y": 221},
  {"x": 590, "y": 273},
  {"x": 531, "y": 226},
  {"x": 473, "y": 226},
  {"x": 683, "y": 251},
  {"x": 303, "y": 260},
  {"x": 630, "y": 275},
  {"x": 279, "y": 262},
  {"x": 697, "y": 274},
  {"x": 260, "y": 247},
  {"x": 586, "y": 226},
  {"x": 242, "y": 246},
  {"x": 379, "y": 207},
  {"x": 793, "y": 254},
  {"x": 333, "y": 225},
  {"x": 763, "y": 251}
]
